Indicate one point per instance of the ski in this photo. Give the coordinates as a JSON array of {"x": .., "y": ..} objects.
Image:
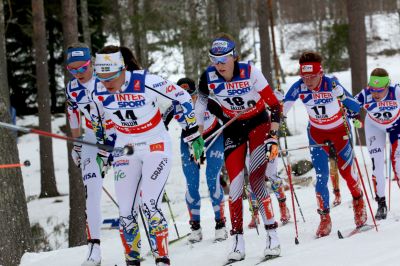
[
  {"x": 178, "y": 239},
  {"x": 267, "y": 258},
  {"x": 230, "y": 262},
  {"x": 357, "y": 230}
]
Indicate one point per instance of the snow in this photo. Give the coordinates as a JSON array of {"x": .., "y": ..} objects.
[{"x": 368, "y": 248}]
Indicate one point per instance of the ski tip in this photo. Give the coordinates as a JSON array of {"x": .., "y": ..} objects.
[
  {"x": 296, "y": 241},
  {"x": 340, "y": 234}
]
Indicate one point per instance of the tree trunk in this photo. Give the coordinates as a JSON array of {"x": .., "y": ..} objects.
[
  {"x": 48, "y": 179},
  {"x": 138, "y": 7},
  {"x": 265, "y": 43},
  {"x": 85, "y": 23},
  {"x": 228, "y": 21},
  {"x": 118, "y": 21},
  {"x": 357, "y": 48},
  {"x": 14, "y": 223},
  {"x": 77, "y": 220}
]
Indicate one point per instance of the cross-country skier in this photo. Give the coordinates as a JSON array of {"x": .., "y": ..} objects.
[
  {"x": 129, "y": 96},
  {"x": 215, "y": 159},
  {"x": 241, "y": 87},
  {"x": 323, "y": 97},
  {"x": 381, "y": 102},
  {"x": 88, "y": 158}
]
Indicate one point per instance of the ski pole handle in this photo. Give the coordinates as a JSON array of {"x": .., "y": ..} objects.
[{"x": 27, "y": 163}]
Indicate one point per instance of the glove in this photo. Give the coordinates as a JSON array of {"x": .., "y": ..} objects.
[
  {"x": 357, "y": 123},
  {"x": 197, "y": 147},
  {"x": 76, "y": 153},
  {"x": 271, "y": 145},
  {"x": 104, "y": 160},
  {"x": 338, "y": 92}
]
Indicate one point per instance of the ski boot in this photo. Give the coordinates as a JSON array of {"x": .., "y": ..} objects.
[
  {"x": 133, "y": 262},
  {"x": 273, "y": 247},
  {"x": 196, "y": 234},
  {"x": 381, "y": 212},
  {"x": 221, "y": 233},
  {"x": 360, "y": 213},
  {"x": 325, "y": 226},
  {"x": 338, "y": 198},
  {"x": 285, "y": 214},
  {"x": 164, "y": 261},
  {"x": 237, "y": 251},
  {"x": 93, "y": 257}
]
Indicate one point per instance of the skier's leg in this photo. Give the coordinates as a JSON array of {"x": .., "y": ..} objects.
[
  {"x": 215, "y": 159},
  {"x": 319, "y": 157},
  {"x": 193, "y": 202},
  {"x": 279, "y": 191},
  {"x": 127, "y": 179},
  {"x": 235, "y": 151},
  {"x": 93, "y": 182},
  {"x": 257, "y": 169},
  {"x": 155, "y": 171}
]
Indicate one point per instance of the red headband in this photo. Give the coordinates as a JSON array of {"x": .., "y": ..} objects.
[{"x": 308, "y": 68}]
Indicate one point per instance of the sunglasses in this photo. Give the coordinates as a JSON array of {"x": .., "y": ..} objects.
[
  {"x": 311, "y": 76},
  {"x": 79, "y": 70},
  {"x": 108, "y": 79},
  {"x": 220, "y": 59},
  {"x": 373, "y": 89}
]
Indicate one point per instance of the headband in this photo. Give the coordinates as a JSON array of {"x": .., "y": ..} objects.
[
  {"x": 308, "y": 68},
  {"x": 108, "y": 63}
]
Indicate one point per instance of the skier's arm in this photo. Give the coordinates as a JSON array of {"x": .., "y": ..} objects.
[
  {"x": 215, "y": 108},
  {"x": 349, "y": 101},
  {"x": 168, "y": 115},
  {"x": 73, "y": 114},
  {"x": 174, "y": 92},
  {"x": 267, "y": 94},
  {"x": 290, "y": 97},
  {"x": 202, "y": 101}
]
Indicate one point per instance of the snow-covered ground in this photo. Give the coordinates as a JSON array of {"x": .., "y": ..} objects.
[{"x": 369, "y": 248}]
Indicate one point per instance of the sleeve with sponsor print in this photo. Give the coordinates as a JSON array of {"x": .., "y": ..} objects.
[
  {"x": 202, "y": 99},
  {"x": 291, "y": 96},
  {"x": 168, "y": 115},
  {"x": 267, "y": 94},
  {"x": 73, "y": 113},
  {"x": 173, "y": 92}
]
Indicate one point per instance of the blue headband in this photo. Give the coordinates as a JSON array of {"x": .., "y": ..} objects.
[
  {"x": 78, "y": 54},
  {"x": 222, "y": 46}
]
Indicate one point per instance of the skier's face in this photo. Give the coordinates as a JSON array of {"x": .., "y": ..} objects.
[
  {"x": 81, "y": 70},
  {"x": 112, "y": 81},
  {"x": 312, "y": 81},
  {"x": 226, "y": 69},
  {"x": 379, "y": 95}
]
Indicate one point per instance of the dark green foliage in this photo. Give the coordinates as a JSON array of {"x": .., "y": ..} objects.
[{"x": 335, "y": 50}]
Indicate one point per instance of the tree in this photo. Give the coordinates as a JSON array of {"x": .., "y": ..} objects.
[
  {"x": 77, "y": 219},
  {"x": 85, "y": 23},
  {"x": 228, "y": 21},
  {"x": 265, "y": 44},
  {"x": 357, "y": 47},
  {"x": 14, "y": 223},
  {"x": 48, "y": 180}
]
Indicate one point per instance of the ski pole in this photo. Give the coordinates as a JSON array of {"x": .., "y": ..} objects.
[
  {"x": 27, "y": 163},
  {"x": 288, "y": 168},
  {"x": 390, "y": 173},
  {"x": 304, "y": 147},
  {"x": 213, "y": 137},
  {"x": 141, "y": 215},
  {"x": 127, "y": 149},
  {"x": 365, "y": 165},
  {"x": 172, "y": 214},
  {"x": 356, "y": 161}
]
